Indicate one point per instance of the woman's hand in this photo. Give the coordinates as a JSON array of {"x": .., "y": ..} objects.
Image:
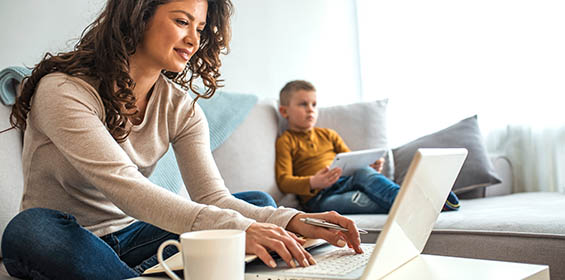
[
  {"x": 324, "y": 178},
  {"x": 262, "y": 237},
  {"x": 334, "y": 237}
]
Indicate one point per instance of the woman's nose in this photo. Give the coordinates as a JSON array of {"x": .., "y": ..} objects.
[{"x": 192, "y": 37}]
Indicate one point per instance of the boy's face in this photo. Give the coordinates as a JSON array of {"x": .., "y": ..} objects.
[{"x": 301, "y": 111}]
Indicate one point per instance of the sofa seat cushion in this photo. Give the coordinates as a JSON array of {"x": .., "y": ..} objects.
[{"x": 545, "y": 215}]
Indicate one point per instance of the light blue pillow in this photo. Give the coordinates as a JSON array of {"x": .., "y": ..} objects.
[{"x": 224, "y": 112}]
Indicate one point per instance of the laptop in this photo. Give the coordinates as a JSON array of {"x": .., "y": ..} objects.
[
  {"x": 414, "y": 212},
  {"x": 349, "y": 162}
]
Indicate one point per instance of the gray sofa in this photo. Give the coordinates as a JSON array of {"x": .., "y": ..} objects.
[{"x": 506, "y": 226}]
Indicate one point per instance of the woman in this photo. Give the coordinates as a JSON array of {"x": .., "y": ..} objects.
[{"x": 96, "y": 121}]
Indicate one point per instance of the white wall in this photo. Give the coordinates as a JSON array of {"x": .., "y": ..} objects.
[
  {"x": 273, "y": 42},
  {"x": 443, "y": 60},
  {"x": 277, "y": 41},
  {"x": 30, "y": 28}
]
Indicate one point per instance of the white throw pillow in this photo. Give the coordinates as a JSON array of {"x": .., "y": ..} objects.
[{"x": 361, "y": 125}]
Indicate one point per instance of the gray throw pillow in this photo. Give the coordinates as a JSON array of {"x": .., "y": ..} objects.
[{"x": 477, "y": 171}]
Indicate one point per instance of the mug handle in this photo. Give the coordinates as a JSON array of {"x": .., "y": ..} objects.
[{"x": 162, "y": 262}]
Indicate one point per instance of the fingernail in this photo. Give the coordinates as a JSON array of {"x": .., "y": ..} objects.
[
  {"x": 341, "y": 243},
  {"x": 305, "y": 263},
  {"x": 313, "y": 261},
  {"x": 273, "y": 264},
  {"x": 292, "y": 264}
]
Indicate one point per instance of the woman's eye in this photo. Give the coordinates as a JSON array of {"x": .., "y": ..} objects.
[{"x": 182, "y": 22}]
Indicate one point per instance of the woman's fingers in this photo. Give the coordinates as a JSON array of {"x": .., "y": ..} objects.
[
  {"x": 264, "y": 237},
  {"x": 279, "y": 247},
  {"x": 339, "y": 238},
  {"x": 352, "y": 235},
  {"x": 299, "y": 253},
  {"x": 296, "y": 250},
  {"x": 295, "y": 237},
  {"x": 264, "y": 255}
]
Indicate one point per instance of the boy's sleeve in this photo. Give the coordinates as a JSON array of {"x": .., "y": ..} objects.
[
  {"x": 286, "y": 181},
  {"x": 339, "y": 144}
]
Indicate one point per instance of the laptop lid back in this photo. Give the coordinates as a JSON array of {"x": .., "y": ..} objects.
[{"x": 427, "y": 184}]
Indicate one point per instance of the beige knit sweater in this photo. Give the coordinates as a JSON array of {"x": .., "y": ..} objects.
[{"x": 72, "y": 164}]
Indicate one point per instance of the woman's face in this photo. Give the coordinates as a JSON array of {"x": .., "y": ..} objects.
[{"x": 172, "y": 36}]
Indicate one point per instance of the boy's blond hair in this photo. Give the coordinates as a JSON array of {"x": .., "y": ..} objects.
[{"x": 291, "y": 87}]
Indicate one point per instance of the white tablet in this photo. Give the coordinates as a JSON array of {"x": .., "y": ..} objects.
[{"x": 352, "y": 161}]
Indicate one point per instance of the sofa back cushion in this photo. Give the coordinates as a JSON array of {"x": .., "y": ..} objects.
[
  {"x": 11, "y": 177},
  {"x": 246, "y": 159}
]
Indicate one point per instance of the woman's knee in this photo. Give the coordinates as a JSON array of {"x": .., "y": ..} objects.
[{"x": 28, "y": 228}]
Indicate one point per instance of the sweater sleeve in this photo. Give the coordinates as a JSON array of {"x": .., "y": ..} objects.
[
  {"x": 204, "y": 182},
  {"x": 339, "y": 144},
  {"x": 286, "y": 181}
]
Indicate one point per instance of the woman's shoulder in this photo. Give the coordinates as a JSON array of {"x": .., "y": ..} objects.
[
  {"x": 58, "y": 84},
  {"x": 172, "y": 90},
  {"x": 59, "y": 79},
  {"x": 172, "y": 95},
  {"x": 176, "y": 102}
]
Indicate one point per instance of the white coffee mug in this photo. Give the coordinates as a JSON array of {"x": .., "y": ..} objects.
[{"x": 209, "y": 254}]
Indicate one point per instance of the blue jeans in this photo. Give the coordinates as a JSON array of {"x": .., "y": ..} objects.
[
  {"x": 47, "y": 244},
  {"x": 364, "y": 192}
]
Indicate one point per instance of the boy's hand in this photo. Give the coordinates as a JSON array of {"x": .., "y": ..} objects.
[
  {"x": 378, "y": 165},
  {"x": 325, "y": 178}
]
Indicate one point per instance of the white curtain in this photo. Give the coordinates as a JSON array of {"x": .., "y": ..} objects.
[
  {"x": 537, "y": 156},
  {"x": 439, "y": 61}
]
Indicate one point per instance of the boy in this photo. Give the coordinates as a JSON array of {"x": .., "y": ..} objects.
[{"x": 304, "y": 152}]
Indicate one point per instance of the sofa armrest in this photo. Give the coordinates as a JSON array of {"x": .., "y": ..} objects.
[{"x": 503, "y": 168}]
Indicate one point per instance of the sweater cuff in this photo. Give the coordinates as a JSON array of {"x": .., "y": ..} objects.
[{"x": 283, "y": 216}]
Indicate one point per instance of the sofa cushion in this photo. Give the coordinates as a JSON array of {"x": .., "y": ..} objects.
[
  {"x": 496, "y": 214},
  {"x": 246, "y": 159},
  {"x": 477, "y": 171},
  {"x": 11, "y": 177}
]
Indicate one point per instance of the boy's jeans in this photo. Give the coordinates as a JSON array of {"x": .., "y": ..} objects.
[
  {"x": 365, "y": 192},
  {"x": 47, "y": 244}
]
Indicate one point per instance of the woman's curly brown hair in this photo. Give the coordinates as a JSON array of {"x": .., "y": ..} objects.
[{"x": 102, "y": 55}]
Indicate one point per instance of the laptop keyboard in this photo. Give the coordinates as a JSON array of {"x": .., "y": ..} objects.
[{"x": 337, "y": 262}]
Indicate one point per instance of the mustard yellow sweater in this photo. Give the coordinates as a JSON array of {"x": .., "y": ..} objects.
[{"x": 301, "y": 154}]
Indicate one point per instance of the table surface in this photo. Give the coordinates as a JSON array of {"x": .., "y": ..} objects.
[{"x": 442, "y": 267}]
